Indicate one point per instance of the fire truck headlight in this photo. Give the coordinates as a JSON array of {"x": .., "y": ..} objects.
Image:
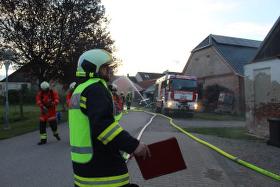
[
  {"x": 195, "y": 106},
  {"x": 169, "y": 104}
]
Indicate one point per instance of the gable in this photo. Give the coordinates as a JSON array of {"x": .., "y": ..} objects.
[
  {"x": 207, "y": 62},
  {"x": 236, "y": 52},
  {"x": 270, "y": 46}
]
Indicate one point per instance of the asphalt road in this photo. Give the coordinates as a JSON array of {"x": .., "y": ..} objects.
[{"x": 25, "y": 164}]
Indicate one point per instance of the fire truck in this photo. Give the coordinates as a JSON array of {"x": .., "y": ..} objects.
[{"x": 176, "y": 93}]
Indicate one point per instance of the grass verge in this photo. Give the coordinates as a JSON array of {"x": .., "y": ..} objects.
[
  {"x": 223, "y": 132},
  {"x": 21, "y": 125},
  {"x": 218, "y": 117}
]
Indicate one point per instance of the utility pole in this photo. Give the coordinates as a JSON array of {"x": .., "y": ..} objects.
[{"x": 6, "y": 124}]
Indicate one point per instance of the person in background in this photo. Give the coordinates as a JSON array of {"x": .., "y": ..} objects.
[
  {"x": 128, "y": 100},
  {"x": 96, "y": 138},
  {"x": 70, "y": 92},
  {"x": 117, "y": 103},
  {"x": 122, "y": 100},
  {"x": 47, "y": 99}
]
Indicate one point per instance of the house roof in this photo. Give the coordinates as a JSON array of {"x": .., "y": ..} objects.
[
  {"x": 236, "y": 51},
  {"x": 147, "y": 83},
  {"x": 23, "y": 74},
  {"x": 124, "y": 84},
  {"x": 148, "y": 76},
  {"x": 133, "y": 79},
  {"x": 172, "y": 72},
  {"x": 270, "y": 46}
]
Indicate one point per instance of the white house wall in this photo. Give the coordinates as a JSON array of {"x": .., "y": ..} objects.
[
  {"x": 12, "y": 86},
  {"x": 262, "y": 94}
]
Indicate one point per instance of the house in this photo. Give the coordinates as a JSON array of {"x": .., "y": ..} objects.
[
  {"x": 262, "y": 84},
  {"x": 220, "y": 60},
  {"x": 22, "y": 77},
  {"x": 17, "y": 80},
  {"x": 138, "y": 84},
  {"x": 148, "y": 88},
  {"x": 126, "y": 84}
]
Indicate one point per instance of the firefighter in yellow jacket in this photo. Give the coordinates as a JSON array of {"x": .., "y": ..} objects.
[{"x": 96, "y": 138}]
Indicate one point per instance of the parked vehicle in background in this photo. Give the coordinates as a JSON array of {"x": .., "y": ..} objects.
[{"x": 176, "y": 93}]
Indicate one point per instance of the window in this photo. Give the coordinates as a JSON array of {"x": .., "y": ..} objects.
[{"x": 183, "y": 84}]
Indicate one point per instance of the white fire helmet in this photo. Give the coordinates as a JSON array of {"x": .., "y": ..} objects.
[
  {"x": 45, "y": 85},
  {"x": 93, "y": 58},
  {"x": 72, "y": 85}
]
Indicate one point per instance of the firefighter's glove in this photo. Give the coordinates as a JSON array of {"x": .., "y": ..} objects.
[{"x": 142, "y": 150}]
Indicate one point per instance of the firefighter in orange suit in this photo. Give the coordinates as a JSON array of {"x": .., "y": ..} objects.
[
  {"x": 47, "y": 99},
  {"x": 70, "y": 92},
  {"x": 117, "y": 100}
]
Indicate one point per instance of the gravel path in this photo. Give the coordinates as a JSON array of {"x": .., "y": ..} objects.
[{"x": 256, "y": 152}]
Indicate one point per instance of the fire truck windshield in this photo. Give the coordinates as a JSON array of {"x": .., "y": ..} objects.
[{"x": 183, "y": 84}]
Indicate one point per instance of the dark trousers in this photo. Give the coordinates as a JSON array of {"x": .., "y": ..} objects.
[
  {"x": 128, "y": 104},
  {"x": 43, "y": 128}
]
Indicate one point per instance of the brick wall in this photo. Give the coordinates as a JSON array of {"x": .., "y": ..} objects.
[{"x": 262, "y": 94}]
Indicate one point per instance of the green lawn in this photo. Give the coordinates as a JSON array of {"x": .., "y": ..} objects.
[
  {"x": 18, "y": 125},
  {"x": 203, "y": 115},
  {"x": 224, "y": 132},
  {"x": 218, "y": 117}
]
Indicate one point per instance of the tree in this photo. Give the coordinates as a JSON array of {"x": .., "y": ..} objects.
[{"x": 49, "y": 35}]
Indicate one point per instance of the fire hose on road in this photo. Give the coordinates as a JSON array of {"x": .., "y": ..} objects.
[{"x": 218, "y": 150}]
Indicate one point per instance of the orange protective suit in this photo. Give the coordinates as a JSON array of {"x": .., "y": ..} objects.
[
  {"x": 47, "y": 101},
  {"x": 68, "y": 97}
]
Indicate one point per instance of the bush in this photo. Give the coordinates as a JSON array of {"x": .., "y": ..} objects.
[
  {"x": 2, "y": 100},
  {"x": 29, "y": 96},
  {"x": 24, "y": 95},
  {"x": 13, "y": 96}
]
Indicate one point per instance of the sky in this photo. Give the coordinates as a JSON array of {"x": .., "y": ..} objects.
[{"x": 158, "y": 35}]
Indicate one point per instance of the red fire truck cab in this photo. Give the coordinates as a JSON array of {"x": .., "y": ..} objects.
[{"x": 176, "y": 93}]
